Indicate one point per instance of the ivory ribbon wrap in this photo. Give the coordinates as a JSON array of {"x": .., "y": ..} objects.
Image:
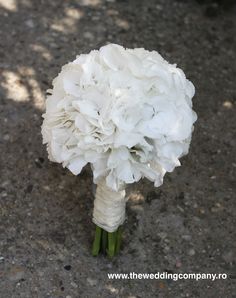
[{"x": 109, "y": 207}]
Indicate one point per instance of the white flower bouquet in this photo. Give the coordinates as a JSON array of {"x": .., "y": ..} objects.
[{"x": 126, "y": 112}]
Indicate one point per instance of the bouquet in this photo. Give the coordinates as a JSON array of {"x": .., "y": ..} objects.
[{"x": 126, "y": 112}]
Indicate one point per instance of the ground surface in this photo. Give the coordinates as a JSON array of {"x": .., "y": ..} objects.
[{"x": 187, "y": 225}]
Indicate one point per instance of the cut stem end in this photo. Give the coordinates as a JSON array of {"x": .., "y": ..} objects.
[{"x": 106, "y": 242}]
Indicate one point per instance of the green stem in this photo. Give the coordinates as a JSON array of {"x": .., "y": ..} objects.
[
  {"x": 118, "y": 240},
  {"x": 97, "y": 241},
  {"x": 104, "y": 241},
  {"x": 111, "y": 244},
  {"x": 108, "y": 243}
]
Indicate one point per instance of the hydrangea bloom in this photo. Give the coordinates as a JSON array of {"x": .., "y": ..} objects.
[{"x": 127, "y": 112}]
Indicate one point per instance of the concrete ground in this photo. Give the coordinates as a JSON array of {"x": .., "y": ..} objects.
[{"x": 186, "y": 225}]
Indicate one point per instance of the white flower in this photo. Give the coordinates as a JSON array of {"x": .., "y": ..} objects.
[{"x": 127, "y": 112}]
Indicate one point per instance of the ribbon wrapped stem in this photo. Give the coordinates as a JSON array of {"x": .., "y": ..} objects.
[{"x": 108, "y": 215}]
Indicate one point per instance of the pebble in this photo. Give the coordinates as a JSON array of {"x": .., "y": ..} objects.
[
  {"x": 29, "y": 23},
  {"x": 109, "y": 265},
  {"x": 228, "y": 104},
  {"x": 5, "y": 183},
  {"x": 74, "y": 285},
  {"x": 186, "y": 237},
  {"x": 4, "y": 194},
  {"x": 191, "y": 252},
  {"x": 112, "y": 12},
  {"x": 180, "y": 209},
  {"x": 162, "y": 235},
  {"x": 178, "y": 264},
  {"x": 88, "y": 35},
  {"x": 159, "y": 7},
  {"x": 214, "y": 209},
  {"x": 41, "y": 273},
  {"x": 6, "y": 137},
  {"x": 228, "y": 257},
  {"x": 123, "y": 24},
  {"x": 53, "y": 45},
  {"x": 201, "y": 211},
  {"x": 46, "y": 187},
  {"x": 166, "y": 248},
  {"x": 137, "y": 208},
  {"x": 92, "y": 282},
  {"x": 90, "y": 2}
]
